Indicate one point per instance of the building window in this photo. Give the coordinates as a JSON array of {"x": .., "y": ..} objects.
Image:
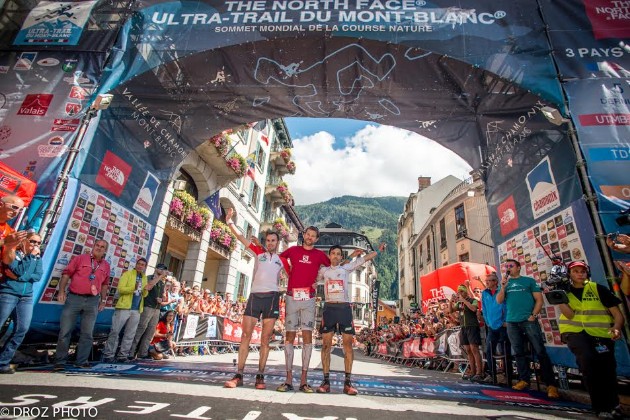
[
  {"x": 442, "y": 234},
  {"x": 421, "y": 261},
  {"x": 464, "y": 257},
  {"x": 260, "y": 157},
  {"x": 428, "y": 248},
  {"x": 189, "y": 184},
  {"x": 254, "y": 196},
  {"x": 242, "y": 283},
  {"x": 460, "y": 221}
]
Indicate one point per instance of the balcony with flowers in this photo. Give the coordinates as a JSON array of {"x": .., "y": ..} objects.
[
  {"x": 286, "y": 195},
  {"x": 187, "y": 217},
  {"x": 281, "y": 159},
  {"x": 281, "y": 227},
  {"x": 218, "y": 153},
  {"x": 222, "y": 240}
]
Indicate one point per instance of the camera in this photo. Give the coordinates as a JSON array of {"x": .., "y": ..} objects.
[
  {"x": 624, "y": 218},
  {"x": 557, "y": 283}
]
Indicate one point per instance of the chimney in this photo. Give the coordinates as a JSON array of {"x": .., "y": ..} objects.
[{"x": 423, "y": 182}]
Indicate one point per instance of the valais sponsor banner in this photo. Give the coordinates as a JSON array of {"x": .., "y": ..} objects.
[
  {"x": 35, "y": 104},
  {"x": 543, "y": 190}
]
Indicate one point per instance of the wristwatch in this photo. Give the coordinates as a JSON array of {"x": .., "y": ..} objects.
[
  {"x": 103, "y": 300},
  {"x": 535, "y": 315}
]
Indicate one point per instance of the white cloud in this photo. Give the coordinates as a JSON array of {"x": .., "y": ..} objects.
[{"x": 376, "y": 161}]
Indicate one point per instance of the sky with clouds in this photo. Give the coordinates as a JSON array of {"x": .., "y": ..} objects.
[{"x": 373, "y": 161}]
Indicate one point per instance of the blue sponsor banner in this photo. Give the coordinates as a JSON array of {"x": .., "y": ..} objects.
[
  {"x": 602, "y": 120},
  {"x": 589, "y": 37},
  {"x": 175, "y": 29},
  {"x": 55, "y": 23}
]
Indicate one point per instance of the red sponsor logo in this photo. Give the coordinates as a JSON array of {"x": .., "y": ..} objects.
[
  {"x": 508, "y": 216},
  {"x": 85, "y": 228},
  {"x": 113, "y": 174},
  {"x": 550, "y": 198},
  {"x": 72, "y": 109},
  {"x": 77, "y": 92},
  {"x": 609, "y": 18},
  {"x": 62, "y": 121},
  {"x": 64, "y": 128},
  {"x": 604, "y": 119},
  {"x": 100, "y": 201},
  {"x": 78, "y": 213},
  {"x": 9, "y": 183},
  {"x": 67, "y": 246},
  {"x": 35, "y": 104}
]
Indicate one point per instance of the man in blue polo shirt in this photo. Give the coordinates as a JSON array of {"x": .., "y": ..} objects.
[{"x": 494, "y": 314}]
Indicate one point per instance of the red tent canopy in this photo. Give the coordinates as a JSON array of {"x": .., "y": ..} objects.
[
  {"x": 12, "y": 182},
  {"x": 442, "y": 283}
]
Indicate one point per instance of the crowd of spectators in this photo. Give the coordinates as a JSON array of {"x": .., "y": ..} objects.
[
  {"x": 432, "y": 322},
  {"x": 194, "y": 300}
]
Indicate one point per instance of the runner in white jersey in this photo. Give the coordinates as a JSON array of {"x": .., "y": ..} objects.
[
  {"x": 337, "y": 316},
  {"x": 264, "y": 300}
]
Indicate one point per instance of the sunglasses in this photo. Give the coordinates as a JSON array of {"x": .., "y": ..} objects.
[
  {"x": 510, "y": 265},
  {"x": 33, "y": 242},
  {"x": 13, "y": 207}
]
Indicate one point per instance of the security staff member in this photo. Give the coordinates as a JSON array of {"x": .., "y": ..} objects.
[{"x": 589, "y": 324}]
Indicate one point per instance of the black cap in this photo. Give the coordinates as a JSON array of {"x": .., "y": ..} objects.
[{"x": 161, "y": 267}]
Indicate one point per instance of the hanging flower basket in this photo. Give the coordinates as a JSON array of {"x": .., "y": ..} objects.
[
  {"x": 286, "y": 154},
  {"x": 291, "y": 167},
  {"x": 281, "y": 227},
  {"x": 222, "y": 236},
  {"x": 222, "y": 144},
  {"x": 237, "y": 163},
  {"x": 283, "y": 189}
]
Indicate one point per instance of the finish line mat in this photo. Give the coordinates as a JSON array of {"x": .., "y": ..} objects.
[{"x": 422, "y": 387}]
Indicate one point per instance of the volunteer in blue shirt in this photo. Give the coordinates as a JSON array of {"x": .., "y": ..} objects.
[{"x": 494, "y": 314}]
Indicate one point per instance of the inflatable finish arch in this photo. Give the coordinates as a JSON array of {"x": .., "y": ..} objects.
[{"x": 475, "y": 76}]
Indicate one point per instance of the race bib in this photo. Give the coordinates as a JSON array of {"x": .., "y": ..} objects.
[
  {"x": 334, "y": 290},
  {"x": 303, "y": 293}
]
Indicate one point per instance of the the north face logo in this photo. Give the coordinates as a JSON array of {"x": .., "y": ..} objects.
[{"x": 113, "y": 173}]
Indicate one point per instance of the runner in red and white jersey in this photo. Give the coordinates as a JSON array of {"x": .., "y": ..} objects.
[
  {"x": 264, "y": 300},
  {"x": 300, "y": 303}
]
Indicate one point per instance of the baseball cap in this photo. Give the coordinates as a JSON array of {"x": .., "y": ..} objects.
[
  {"x": 462, "y": 288},
  {"x": 161, "y": 266},
  {"x": 577, "y": 264}
]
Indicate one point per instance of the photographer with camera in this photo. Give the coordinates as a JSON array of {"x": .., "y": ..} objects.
[{"x": 589, "y": 324}]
